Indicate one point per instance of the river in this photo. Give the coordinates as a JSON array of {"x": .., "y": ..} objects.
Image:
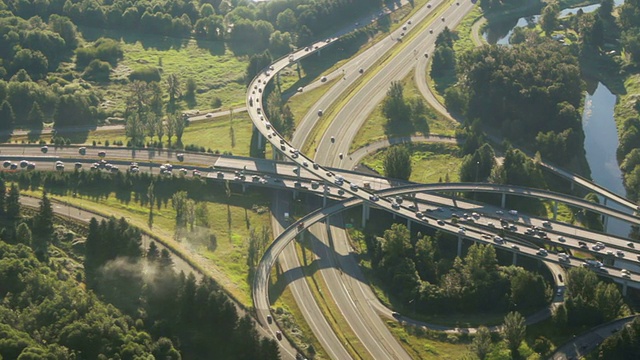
[{"x": 601, "y": 136}]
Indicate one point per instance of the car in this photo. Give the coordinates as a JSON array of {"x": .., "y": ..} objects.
[
  {"x": 183, "y": 171},
  {"x": 625, "y": 275},
  {"x": 395, "y": 205},
  {"x": 220, "y": 175},
  {"x": 340, "y": 155},
  {"x": 461, "y": 231},
  {"x": 305, "y": 163},
  {"x": 279, "y": 335},
  {"x": 630, "y": 244},
  {"x": 58, "y": 166},
  {"x": 24, "y": 163},
  {"x": 44, "y": 149},
  {"x": 102, "y": 154},
  {"x": 404, "y": 27},
  {"x": 559, "y": 292},
  {"x": 498, "y": 239},
  {"x": 78, "y": 165},
  {"x": 210, "y": 115},
  {"x": 269, "y": 319},
  {"x": 6, "y": 163},
  {"x": 561, "y": 239},
  {"x": 441, "y": 222},
  {"x": 619, "y": 253},
  {"x": 399, "y": 199},
  {"x": 320, "y": 112},
  {"x": 300, "y": 89},
  {"x": 374, "y": 197},
  {"x": 499, "y": 212},
  {"x": 419, "y": 215},
  {"x": 316, "y": 166},
  {"x": 395, "y": 314},
  {"x": 114, "y": 169},
  {"x": 455, "y": 216},
  {"x": 442, "y": 18},
  {"x": 180, "y": 156},
  {"x": 82, "y": 150},
  {"x": 515, "y": 247},
  {"x": 323, "y": 79},
  {"x": 340, "y": 192},
  {"x": 546, "y": 224},
  {"x": 134, "y": 170},
  {"x": 31, "y": 166},
  {"x": 315, "y": 184},
  {"x": 428, "y": 5},
  {"x": 542, "y": 252},
  {"x": 490, "y": 224},
  {"x": 430, "y": 31},
  {"x": 354, "y": 187}
]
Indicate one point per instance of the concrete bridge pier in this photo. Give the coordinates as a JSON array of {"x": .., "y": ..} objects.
[
  {"x": 365, "y": 216},
  {"x": 244, "y": 187},
  {"x": 515, "y": 258},
  {"x": 295, "y": 194},
  {"x": 624, "y": 288},
  {"x": 324, "y": 195},
  {"x": 606, "y": 223},
  {"x": 409, "y": 224},
  {"x": 503, "y": 201},
  {"x": 259, "y": 138},
  {"x": 459, "y": 245},
  {"x": 555, "y": 210}
]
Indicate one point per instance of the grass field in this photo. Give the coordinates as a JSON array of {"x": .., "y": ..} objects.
[
  {"x": 230, "y": 220},
  {"x": 431, "y": 162},
  {"x": 217, "y": 71},
  {"x": 419, "y": 346},
  {"x": 375, "y": 128},
  {"x": 212, "y": 134}
]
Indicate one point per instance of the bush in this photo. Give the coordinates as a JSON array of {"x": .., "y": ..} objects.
[
  {"x": 147, "y": 74},
  {"x": 97, "y": 70}
]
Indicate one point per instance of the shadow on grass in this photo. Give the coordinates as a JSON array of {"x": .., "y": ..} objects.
[{"x": 148, "y": 41}]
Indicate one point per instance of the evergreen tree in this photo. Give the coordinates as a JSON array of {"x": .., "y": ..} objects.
[
  {"x": 397, "y": 163},
  {"x": 514, "y": 330},
  {"x": 35, "y": 116},
  {"x": 13, "y": 203},
  {"x": 153, "y": 254},
  {"x": 3, "y": 196},
  {"x": 7, "y": 116},
  {"x": 43, "y": 228}
]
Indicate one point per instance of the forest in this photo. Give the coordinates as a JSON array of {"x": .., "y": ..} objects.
[
  {"x": 94, "y": 293},
  {"x": 423, "y": 272}
]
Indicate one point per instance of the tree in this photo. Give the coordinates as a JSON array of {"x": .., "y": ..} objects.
[
  {"x": 179, "y": 204},
  {"x": 13, "y": 203},
  {"x": 513, "y": 331},
  {"x": 179, "y": 126},
  {"x": 43, "y": 228},
  {"x": 23, "y": 234},
  {"x": 394, "y": 106},
  {"x": 3, "y": 196},
  {"x": 173, "y": 88},
  {"x": 190, "y": 88},
  {"x": 36, "y": 116},
  {"x": 170, "y": 126},
  {"x": 7, "y": 117},
  {"x": 151, "y": 198},
  {"x": 134, "y": 129},
  {"x": 153, "y": 254},
  {"x": 549, "y": 19},
  {"x": 397, "y": 163},
  {"x": 481, "y": 343}
]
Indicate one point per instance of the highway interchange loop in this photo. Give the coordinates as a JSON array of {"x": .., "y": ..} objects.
[{"x": 381, "y": 199}]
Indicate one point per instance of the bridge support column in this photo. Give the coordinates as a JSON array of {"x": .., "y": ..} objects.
[
  {"x": 295, "y": 194},
  {"x": 409, "y": 224},
  {"x": 324, "y": 196},
  {"x": 259, "y": 139},
  {"x": 624, "y": 288},
  {"x": 503, "y": 201},
  {"x": 606, "y": 223},
  {"x": 555, "y": 210},
  {"x": 244, "y": 187},
  {"x": 572, "y": 185},
  {"x": 364, "y": 214},
  {"x": 515, "y": 258},
  {"x": 459, "y": 245}
]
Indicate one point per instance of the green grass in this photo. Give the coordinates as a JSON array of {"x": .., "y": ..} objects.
[
  {"x": 301, "y": 104},
  {"x": 289, "y": 317},
  {"x": 565, "y": 214},
  {"x": 230, "y": 220},
  {"x": 375, "y": 127},
  {"x": 419, "y": 346},
  {"x": 625, "y": 107},
  {"x": 327, "y": 305},
  {"x": 212, "y": 134},
  {"x": 217, "y": 71},
  {"x": 330, "y": 113},
  {"x": 465, "y": 42},
  {"x": 431, "y": 162}
]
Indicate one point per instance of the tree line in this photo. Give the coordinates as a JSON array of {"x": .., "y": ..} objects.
[{"x": 197, "y": 316}]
